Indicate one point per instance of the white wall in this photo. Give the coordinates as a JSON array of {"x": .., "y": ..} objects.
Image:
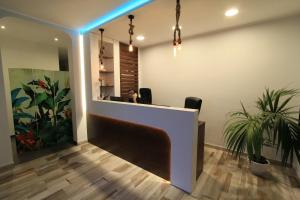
[
  {"x": 224, "y": 68},
  {"x": 17, "y": 53}
]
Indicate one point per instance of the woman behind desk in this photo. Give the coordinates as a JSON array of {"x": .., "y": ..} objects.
[{"x": 133, "y": 96}]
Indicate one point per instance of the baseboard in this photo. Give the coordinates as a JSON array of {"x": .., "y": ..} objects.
[
  {"x": 275, "y": 162},
  {"x": 80, "y": 143},
  {"x": 6, "y": 167},
  {"x": 222, "y": 148},
  {"x": 216, "y": 146}
]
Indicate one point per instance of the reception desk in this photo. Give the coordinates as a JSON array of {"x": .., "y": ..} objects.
[{"x": 177, "y": 126}]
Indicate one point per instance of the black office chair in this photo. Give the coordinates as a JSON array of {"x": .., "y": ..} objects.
[
  {"x": 193, "y": 103},
  {"x": 114, "y": 98},
  {"x": 146, "y": 95}
]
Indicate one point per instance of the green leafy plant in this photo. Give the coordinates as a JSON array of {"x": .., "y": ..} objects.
[
  {"x": 274, "y": 125},
  {"x": 53, "y": 125},
  {"x": 24, "y": 136},
  {"x": 42, "y": 117},
  {"x": 18, "y": 113},
  {"x": 51, "y": 99}
]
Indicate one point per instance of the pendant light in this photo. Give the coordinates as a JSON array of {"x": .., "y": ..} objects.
[
  {"x": 131, "y": 27},
  {"x": 177, "y": 30},
  {"x": 101, "y": 49}
]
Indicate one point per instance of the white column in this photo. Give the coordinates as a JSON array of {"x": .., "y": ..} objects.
[
  {"x": 78, "y": 88},
  {"x": 6, "y": 156}
]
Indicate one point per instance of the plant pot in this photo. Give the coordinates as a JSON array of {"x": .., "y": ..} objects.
[{"x": 259, "y": 168}]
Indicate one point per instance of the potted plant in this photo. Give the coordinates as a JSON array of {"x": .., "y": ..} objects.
[{"x": 275, "y": 124}]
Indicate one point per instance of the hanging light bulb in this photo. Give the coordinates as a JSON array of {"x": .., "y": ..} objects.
[
  {"x": 101, "y": 66},
  {"x": 179, "y": 47},
  {"x": 176, "y": 47},
  {"x": 130, "y": 48},
  {"x": 131, "y": 27},
  {"x": 174, "y": 51},
  {"x": 177, "y": 30}
]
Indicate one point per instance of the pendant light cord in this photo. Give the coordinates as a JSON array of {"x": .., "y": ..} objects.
[
  {"x": 101, "y": 46},
  {"x": 177, "y": 30},
  {"x": 131, "y": 27}
]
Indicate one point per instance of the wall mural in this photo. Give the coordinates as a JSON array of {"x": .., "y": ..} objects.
[{"x": 41, "y": 108}]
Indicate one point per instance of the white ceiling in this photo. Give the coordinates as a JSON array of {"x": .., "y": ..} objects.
[
  {"x": 155, "y": 20},
  {"x": 71, "y": 14},
  {"x": 31, "y": 31}
]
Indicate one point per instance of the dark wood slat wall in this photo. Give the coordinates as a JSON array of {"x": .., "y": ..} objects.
[{"x": 129, "y": 73}]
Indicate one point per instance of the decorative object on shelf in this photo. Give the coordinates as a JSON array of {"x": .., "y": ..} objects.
[
  {"x": 131, "y": 27},
  {"x": 274, "y": 125},
  {"x": 177, "y": 30},
  {"x": 101, "y": 49}
]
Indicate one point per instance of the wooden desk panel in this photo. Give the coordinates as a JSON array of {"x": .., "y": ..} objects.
[
  {"x": 144, "y": 146},
  {"x": 200, "y": 148}
]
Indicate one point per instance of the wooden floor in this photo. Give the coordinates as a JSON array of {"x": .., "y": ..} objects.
[{"x": 88, "y": 172}]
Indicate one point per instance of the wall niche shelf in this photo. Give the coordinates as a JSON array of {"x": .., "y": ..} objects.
[
  {"x": 106, "y": 75},
  {"x": 106, "y": 71},
  {"x": 108, "y": 57}
]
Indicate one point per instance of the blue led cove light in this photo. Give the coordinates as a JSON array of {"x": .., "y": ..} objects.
[{"x": 119, "y": 11}]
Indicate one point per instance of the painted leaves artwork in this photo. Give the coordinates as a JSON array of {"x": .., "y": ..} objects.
[{"x": 41, "y": 108}]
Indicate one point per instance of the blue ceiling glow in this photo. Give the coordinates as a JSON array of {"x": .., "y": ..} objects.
[{"x": 117, "y": 12}]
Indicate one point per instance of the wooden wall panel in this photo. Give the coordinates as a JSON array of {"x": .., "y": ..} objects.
[
  {"x": 129, "y": 73},
  {"x": 147, "y": 147}
]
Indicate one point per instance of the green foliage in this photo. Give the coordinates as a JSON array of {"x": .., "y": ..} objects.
[
  {"x": 49, "y": 126},
  {"x": 14, "y": 93},
  {"x": 60, "y": 96},
  {"x": 274, "y": 125},
  {"x": 16, "y": 102},
  {"x": 61, "y": 105},
  {"x": 18, "y": 113}
]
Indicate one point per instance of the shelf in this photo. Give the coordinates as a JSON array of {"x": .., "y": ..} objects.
[
  {"x": 108, "y": 57},
  {"x": 106, "y": 86},
  {"x": 106, "y": 71}
]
